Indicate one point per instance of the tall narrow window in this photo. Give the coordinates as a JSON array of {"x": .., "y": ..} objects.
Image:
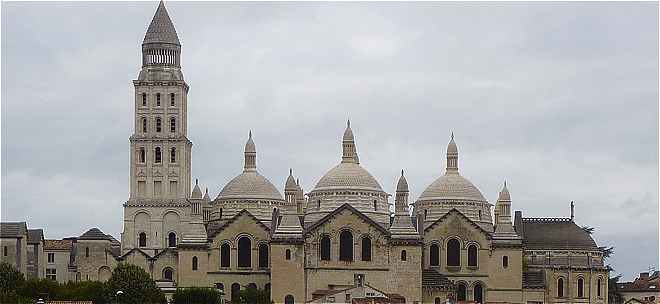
[
  {"x": 144, "y": 125},
  {"x": 194, "y": 263},
  {"x": 505, "y": 262},
  {"x": 225, "y": 257},
  {"x": 4, "y": 251},
  {"x": 453, "y": 253},
  {"x": 346, "y": 246},
  {"x": 472, "y": 255},
  {"x": 480, "y": 215},
  {"x": 173, "y": 155},
  {"x": 461, "y": 292},
  {"x": 375, "y": 205},
  {"x": 435, "y": 255},
  {"x": 288, "y": 299},
  {"x": 142, "y": 239},
  {"x": 325, "y": 248},
  {"x": 158, "y": 125},
  {"x": 172, "y": 99},
  {"x": 167, "y": 274},
  {"x": 598, "y": 288},
  {"x": 158, "y": 99},
  {"x": 172, "y": 125},
  {"x": 144, "y": 99},
  {"x": 478, "y": 293},
  {"x": 171, "y": 240},
  {"x": 143, "y": 155},
  {"x": 580, "y": 288},
  {"x": 244, "y": 252},
  {"x": 235, "y": 292},
  {"x": 366, "y": 248},
  {"x": 157, "y": 155},
  {"x": 86, "y": 252},
  {"x": 287, "y": 254},
  {"x": 403, "y": 255},
  {"x": 51, "y": 257},
  {"x": 263, "y": 256},
  {"x": 560, "y": 288}
]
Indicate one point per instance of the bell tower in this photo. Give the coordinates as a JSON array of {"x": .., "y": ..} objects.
[{"x": 160, "y": 149}]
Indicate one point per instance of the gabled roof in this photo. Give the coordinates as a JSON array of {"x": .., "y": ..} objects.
[
  {"x": 123, "y": 256},
  {"x": 461, "y": 215},
  {"x": 35, "y": 236},
  {"x": 161, "y": 29},
  {"x": 13, "y": 229},
  {"x": 58, "y": 244},
  {"x": 555, "y": 233},
  {"x": 214, "y": 228},
  {"x": 93, "y": 234},
  {"x": 166, "y": 250},
  {"x": 339, "y": 210}
]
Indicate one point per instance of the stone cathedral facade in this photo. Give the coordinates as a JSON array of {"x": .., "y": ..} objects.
[{"x": 339, "y": 242}]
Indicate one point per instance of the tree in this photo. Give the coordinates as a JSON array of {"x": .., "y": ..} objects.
[
  {"x": 197, "y": 295},
  {"x": 135, "y": 284},
  {"x": 613, "y": 294},
  {"x": 46, "y": 289},
  {"x": 10, "y": 278},
  {"x": 254, "y": 296}
]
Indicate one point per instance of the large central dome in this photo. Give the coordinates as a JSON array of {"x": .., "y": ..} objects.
[
  {"x": 348, "y": 176},
  {"x": 250, "y": 185},
  {"x": 452, "y": 186}
]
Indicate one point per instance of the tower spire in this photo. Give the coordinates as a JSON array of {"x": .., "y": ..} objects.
[
  {"x": 161, "y": 46},
  {"x": 349, "y": 155},
  {"x": 452, "y": 156},
  {"x": 250, "y": 155},
  {"x": 402, "y": 227}
]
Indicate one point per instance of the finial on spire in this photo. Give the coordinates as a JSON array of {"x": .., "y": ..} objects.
[
  {"x": 348, "y": 123},
  {"x": 290, "y": 171},
  {"x": 298, "y": 181},
  {"x": 452, "y": 135},
  {"x": 572, "y": 210},
  {"x": 196, "y": 181},
  {"x": 207, "y": 188},
  {"x": 250, "y": 134},
  {"x": 401, "y": 172}
]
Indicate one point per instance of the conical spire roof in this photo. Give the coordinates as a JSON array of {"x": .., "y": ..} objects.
[
  {"x": 196, "y": 193},
  {"x": 161, "y": 29},
  {"x": 504, "y": 194},
  {"x": 348, "y": 133},
  {"x": 290, "y": 184},
  {"x": 402, "y": 185},
  {"x": 206, "y": 195}
]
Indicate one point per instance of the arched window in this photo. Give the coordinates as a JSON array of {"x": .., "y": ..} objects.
[
  {"x": 173, "y": 155},
  {"x": 366, "y": 248},
  {"x": 172, "y": 99},
  {"x": 461, "y": 292},
  {"x": 144, "y": 99},
  {"x": 453, "y": 253},
  {"x": 144, "y": 125},
  {"x": 235, "y": 292},
  {"x": 171, "y": 239},
  {"x": 158, "y": 99},
  {"x": 142, "y": 239},
  {"x": 478, "y": 293},
  {"x": 472, "y": 255},
  {"x": 435, "y": 255},
  {"x": 437, "y": 301},
  {"x": 375, "y": 206},
  {"x": 598, "y": 287},
  {"x": 158, "y": 125},
  {"x": 143, "y": 155},
  {"x": 403, "y": 255},
  {"x": 580, "y": 288},
  {"x": 560, "y": 288},
  {"x": 220, "y": 286},
  {"x": 263, "y": 255},
  {"x": 425, "y": 213},
  {"x": 194, "y": 263},
  {"x": 157, "y": 155},
  {"x": 480, "y": 215},
  {"x": 319, "y": 204},
  {"x": 167, "y": 274},
  {"x": 86, "y": 252},
  {"x": 267, "y": 287},
  {"x": 252, "y": 286},
  {"x": 225, "y": 257},
  {"x": 287, "y": 254},
  {"x": 244, "y": 252},
  {"x": 288, "y": 299},
  {"x": 505, "y": 262},
  {"x": 172, "y": 125},
  {"x": 346, "y": 246},
  {"x": 325, "y": 248}
]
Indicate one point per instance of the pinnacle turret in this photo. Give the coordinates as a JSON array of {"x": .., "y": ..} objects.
[
  {"x": 452, "y": 156},
  {"x": 349, "y": 153},
  {"x": 161, "y": 29},
  {"x": 250, "y": 154}
]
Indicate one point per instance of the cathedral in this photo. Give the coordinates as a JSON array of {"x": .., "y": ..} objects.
[{"x": 341, "y": 242}]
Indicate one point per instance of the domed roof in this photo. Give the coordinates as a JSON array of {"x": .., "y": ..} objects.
[
  {"x": 290, "y": 184},
  {"x": 348, "y": 176},
  {"x": 402, "y": 185},
  {"x": 250, "y": 185},
  {"x": 452, "y": 186}
]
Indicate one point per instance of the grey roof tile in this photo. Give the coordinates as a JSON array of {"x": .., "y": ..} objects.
[{"x": 13, "y": 229}]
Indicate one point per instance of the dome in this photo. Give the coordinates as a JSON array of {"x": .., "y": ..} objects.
[
  {"x": 402, "y": 185},
  {"x": 250, "y": 185},
  {"x": 348, "y": 176},
  {"x": 452, "y": 186}
]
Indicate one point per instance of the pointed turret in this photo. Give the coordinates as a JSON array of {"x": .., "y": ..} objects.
[
  {"x": 161, "y": 46},
  {"x": 290, "y": 191},
  {"x": 452, "y": 156},
  {"x": 402, "y": 226},
  {"x": 250, "y": 155},
  {"x": 196, "y": 193},
  {"x": 206, "y": 195},
  {"x": 348, "y": 146},
  {"x": 301, "y": 204},
  {"x": 161, "y": 29},
  {"x": 504, "y": 226}
]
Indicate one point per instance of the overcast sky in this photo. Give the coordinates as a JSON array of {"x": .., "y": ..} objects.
[{"x": 559, "y": 99}]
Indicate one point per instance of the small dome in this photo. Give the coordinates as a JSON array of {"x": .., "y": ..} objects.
[
  {"x": 452, "y": 186},
  {"x": 249, "y": 145},
  {"x": 348, "y": 176},
  {"x": 196, "y": 193},
  {"x": 504, "y": 194},
  {"x": 290, "y": 184},
  {"x": 250, "y": 185},
  {"x": 402, "y": 185}
]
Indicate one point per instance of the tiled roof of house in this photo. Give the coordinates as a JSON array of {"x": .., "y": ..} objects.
[
  {"x": 35, "y": 236},
  {"x": 58, "y": 244},
  {"x": 555, "y": 233},
  {"x": 13, "y": 229},
  {"x": 93, "y": 234}
]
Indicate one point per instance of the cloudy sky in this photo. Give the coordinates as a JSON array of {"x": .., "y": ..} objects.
[{"x": 559, "y": 99}]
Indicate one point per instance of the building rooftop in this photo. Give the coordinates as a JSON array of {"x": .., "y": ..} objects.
[{"x": 13, "y": 229}]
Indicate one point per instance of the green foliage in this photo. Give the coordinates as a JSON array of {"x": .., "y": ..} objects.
[
  {"x": 254, "y": 296},
  {"x": 10, "y": 278},
  {"x": 613, "y": 292},
  {"x": 196, "y": 295},
  {"x": 136, "y": 285},
  {"x": 85, "y": 291},
  {"x": 40, "y": 288}
]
